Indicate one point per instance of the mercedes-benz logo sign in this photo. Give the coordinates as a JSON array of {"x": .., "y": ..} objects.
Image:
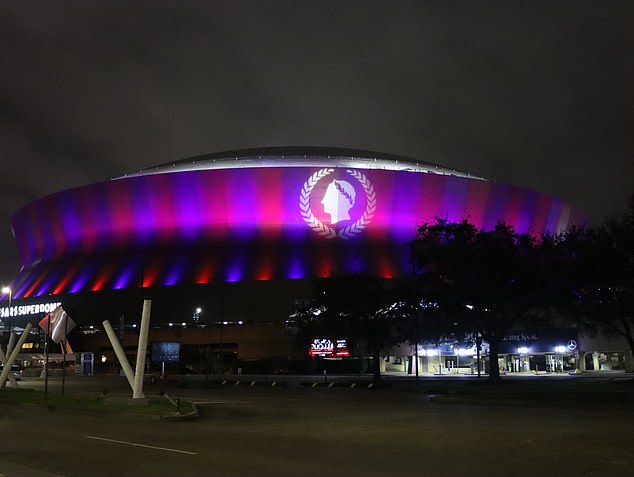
[{"x": 572, "y": 344}]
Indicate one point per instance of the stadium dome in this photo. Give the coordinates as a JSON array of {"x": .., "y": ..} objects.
[{"x": 257, "y": 215}]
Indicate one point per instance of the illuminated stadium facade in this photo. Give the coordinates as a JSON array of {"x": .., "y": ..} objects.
[
  {"x": 243, "y": 233},
  {"x": 258, "y": 215}
]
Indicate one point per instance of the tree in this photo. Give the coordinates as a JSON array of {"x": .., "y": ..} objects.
[
  {"x": 606, "y": 292},
  {"x": 492, "y": 282},
  {"x": 360, "y": 307}
]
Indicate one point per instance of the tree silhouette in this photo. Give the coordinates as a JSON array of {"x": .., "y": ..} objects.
[
  {"x": 370, "y": 311},
  {"x": 606, "y": 292},
  {"x": 492, "y": 282}
]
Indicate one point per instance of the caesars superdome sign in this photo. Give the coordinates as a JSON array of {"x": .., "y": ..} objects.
[
  {"x": 24, "y": 310},
  {"x": 337, "y": 203}
]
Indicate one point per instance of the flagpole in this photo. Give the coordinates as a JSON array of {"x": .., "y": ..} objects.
[
  {"x": 53, "y": 319},
  {"x": 64, "y": 357},
  {"x": 48, "y": 335}
]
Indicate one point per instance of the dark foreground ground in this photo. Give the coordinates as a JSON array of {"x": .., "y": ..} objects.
[{"x": 566, "y": 426}]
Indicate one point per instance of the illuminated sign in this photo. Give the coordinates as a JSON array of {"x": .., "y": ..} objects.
[
  {"x": 168, "y": 351},
  {"x": 348, "y": 203},
  {"x": 328, "y": 348},
  {"x": 544, "y": 342},
  {"x": 24, "y": 310}
]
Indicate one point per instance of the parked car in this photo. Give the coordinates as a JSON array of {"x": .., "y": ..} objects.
[{"x": 17, "y": 371}]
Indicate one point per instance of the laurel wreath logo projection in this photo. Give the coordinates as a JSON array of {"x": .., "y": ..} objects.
[{"x": 326, "y": 230}]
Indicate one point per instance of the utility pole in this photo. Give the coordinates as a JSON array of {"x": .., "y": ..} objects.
[
  {"x": 415, "y": 310},
  {"x": 222, "y": 323},
  {"x": 9, "y": 291}
]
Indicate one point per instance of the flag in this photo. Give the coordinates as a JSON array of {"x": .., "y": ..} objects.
[{"x": 61, "y": 324}]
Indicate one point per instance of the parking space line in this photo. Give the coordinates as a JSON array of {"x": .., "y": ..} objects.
[
  {"x": 209, "y": 402},
  {"x": 134, "y": 444}
]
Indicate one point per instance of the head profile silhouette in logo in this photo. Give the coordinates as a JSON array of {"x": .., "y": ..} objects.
[{"x": 338, "y": 200}]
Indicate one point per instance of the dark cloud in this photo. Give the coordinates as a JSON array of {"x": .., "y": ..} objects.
[{"x": 534, "y": 94}]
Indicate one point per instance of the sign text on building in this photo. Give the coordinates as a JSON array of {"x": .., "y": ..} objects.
[{"x": 23, "y": 310}]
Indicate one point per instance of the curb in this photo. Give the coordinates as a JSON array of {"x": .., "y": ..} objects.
[
  {"x": 129, "y": 415},
  {"x": 336, "y": 384}
]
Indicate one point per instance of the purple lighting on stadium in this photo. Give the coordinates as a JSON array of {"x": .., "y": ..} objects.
[
  {"x": 290, "y": 221},
  {"x": 295, "y": 269}
]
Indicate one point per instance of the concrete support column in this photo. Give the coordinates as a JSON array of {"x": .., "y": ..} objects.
[
  {"x": 11, "y": 343},
  {"x": 118, "y": 350},
  {"x": 142, "y": 350},
  {"x": 595, "y": 361},
  {"x": 581, "y": 362},
  {"x": 11, "y": 377},
  {"x": 14, "y": 355},
  {"x": 438, "y": 364}
]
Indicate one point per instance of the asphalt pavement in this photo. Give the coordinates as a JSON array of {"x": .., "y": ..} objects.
[{"x": 266, "y": 430}]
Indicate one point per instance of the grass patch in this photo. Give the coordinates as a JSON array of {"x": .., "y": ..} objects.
[{"x": 92, "y": 403}]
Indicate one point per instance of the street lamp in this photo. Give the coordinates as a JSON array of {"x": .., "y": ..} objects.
[
  {"x": 7, "y": 290},
  {"x": 197, "y": 313},
  {"x": 222, "y": 323}
]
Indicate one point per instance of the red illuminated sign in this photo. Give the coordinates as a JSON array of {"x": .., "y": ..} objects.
[{"x": 330, "y": 349}]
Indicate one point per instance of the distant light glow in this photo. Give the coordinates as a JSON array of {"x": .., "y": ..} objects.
[
  {"x": 102, "y": 278},
  {"x": 61, "y": 285},
  {"x": 205, "y": 273},
  {"x": 265, "y": 271},
  {"x": 175, "y": 273},
  {"x": 150, "y": 276},
  {"x": 125, "y": 277},
  {"x": 235, "y": 272},
  {"x": 295, "y": 270},
  {"x": 47, "y": 284},
  {"x": 81, "y": 280},
  {"x": 33, "y": 281}
]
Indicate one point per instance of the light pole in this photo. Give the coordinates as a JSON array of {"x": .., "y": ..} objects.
[
  {"x": 7, "y": 290},
  {"x": 222, "y": 323},
  {"x": 478, "y": 348}
]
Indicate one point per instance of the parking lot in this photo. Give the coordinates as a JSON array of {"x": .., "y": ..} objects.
[{"x": 278, "y": 431}]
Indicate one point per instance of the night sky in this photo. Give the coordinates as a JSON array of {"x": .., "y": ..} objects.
[{"x": 535, "y": 94}]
